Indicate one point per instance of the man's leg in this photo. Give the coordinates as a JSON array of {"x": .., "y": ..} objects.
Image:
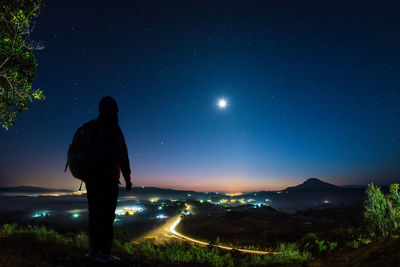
[
  {"x": 110, "y": 198},
  {"x": 94, "y": 208}
]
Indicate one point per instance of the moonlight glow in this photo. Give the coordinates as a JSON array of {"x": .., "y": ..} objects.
[{"x": 222, "y": 103}]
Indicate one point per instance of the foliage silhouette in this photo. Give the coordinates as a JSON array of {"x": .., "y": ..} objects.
[
  {"x": 17, "y": 58},
  {"x": 382, "y": 212}
]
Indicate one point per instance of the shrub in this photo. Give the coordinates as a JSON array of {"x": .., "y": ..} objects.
[
  {"x": 353, "y": 244},
  {"x": 310, "y": 238},
  {"x": 382, "y": 211},
  {"x": 321, "y": 245},
  {"x": 82, "y": 241},
  {"x": 121, "y": 235},
  {"x": 128, "y": 248},
  {"x": 332, "y": 245},
  {"x": 288, "y": 253},
  {"x": 151, "y": 237},
  {"x": 361, "y": 240},
  {"x": 7, "y": 229},
  {"x": 394, "y": 207}
]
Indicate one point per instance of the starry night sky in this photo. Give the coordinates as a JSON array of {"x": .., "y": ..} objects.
[{"x": 312, "y": 91}]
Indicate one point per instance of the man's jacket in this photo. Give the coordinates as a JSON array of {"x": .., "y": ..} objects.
[{"x": 110, "y": 149}]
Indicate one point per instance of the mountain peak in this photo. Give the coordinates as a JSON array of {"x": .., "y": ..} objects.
[
  {"x": 313, "y": 180},
  {"x": 313, "y": 185}
]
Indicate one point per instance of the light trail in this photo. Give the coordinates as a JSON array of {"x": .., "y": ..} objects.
[{"x": 172, "y": 230}]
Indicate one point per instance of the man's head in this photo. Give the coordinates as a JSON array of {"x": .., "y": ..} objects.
[{"x": 108, "y": 105}]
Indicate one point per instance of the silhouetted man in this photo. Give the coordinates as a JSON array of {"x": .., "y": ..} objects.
[{"x": 102, "y": 183}]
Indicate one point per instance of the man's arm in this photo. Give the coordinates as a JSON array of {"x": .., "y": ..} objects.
[{"x": 123, "y": 158}]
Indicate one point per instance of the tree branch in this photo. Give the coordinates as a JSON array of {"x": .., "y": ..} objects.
[{"x": 5, "y": 61}]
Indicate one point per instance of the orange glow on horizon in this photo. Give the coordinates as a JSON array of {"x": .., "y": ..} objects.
[
  {"x": 201, "y": 182},
  {"x": 234, "y": 194}
]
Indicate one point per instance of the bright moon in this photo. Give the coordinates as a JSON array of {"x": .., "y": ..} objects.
[{"x": 222, "y": 103}]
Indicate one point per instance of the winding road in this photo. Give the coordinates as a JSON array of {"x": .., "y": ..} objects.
[{"x": 184, "y": 237}]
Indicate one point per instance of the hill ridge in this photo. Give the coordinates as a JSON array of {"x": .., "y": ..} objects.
[{"x": 314, "y": 185}]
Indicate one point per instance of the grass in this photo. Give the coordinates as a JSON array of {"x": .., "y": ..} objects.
[
  {"x": 43, "y": 233},
  {"x": 177, "y": 251},
  {"x": 172, "y": 252},
  {"x": 289, "y": 253}
]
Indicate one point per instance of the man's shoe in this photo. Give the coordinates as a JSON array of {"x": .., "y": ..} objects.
[
  {"x": 92, "y": 253},
  {"x": 106, "y": 258}
]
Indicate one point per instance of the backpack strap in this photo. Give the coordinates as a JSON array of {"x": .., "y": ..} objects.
[{"x": 66, "y": 166}]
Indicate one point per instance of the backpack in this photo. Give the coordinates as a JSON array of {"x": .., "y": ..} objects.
[{"x": 82, "y": 152}]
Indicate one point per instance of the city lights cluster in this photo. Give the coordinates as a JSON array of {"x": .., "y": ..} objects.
[
  {"x": 232, "y": 201},
  {"x": 131, "y": 210},
  {"x": 41, "y": 214},
  {"x": 234, "y": 194}
]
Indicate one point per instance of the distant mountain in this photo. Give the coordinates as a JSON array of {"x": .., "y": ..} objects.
[
  {"x": 156, "y": 190},
  {"x": 31, "y": 189},
  {"x": 356, "y": 186},
  {"x": 314, "y": 185}
]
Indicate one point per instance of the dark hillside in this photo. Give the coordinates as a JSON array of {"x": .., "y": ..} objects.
[{"x": 27, "y": 250}]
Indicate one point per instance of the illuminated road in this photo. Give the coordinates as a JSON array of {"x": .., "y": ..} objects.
[
  {"x": 160, "y": 232},
  {"x": 179, "y": 235}
]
